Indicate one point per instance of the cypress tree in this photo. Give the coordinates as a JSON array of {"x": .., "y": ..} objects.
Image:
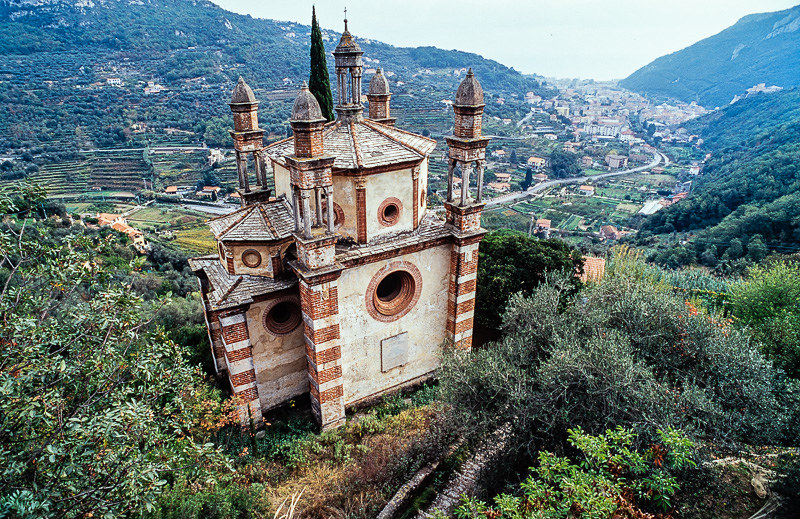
[{"x": 319, "y": 83}]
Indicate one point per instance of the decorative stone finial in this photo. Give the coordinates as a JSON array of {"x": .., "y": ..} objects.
[
  {"x": 470, "y": 92},
  {"x": 306, "y": 108},
  {"x": 242, "y": 93}
]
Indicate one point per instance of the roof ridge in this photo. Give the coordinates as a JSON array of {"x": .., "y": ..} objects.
[
  {"x": 263, "y": 211},
  {"x": 230, "y": 290},
  {"x": 356, "y": 145},
  {"x": 406, "y": 132},
  {"x": 395, "y": 139},
  {"x": 236, "y": 222}
]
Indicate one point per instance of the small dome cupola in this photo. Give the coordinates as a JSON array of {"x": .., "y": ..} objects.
[
  {"x": 242, "y": 93},
  {"x": 469, "y": 92},
  {"x": 349, "y": 68},
  {"x": 346, "y": 42},
  {"x": 379, "y": 97},
  {"x": 379, "y": 85},
  {"x": 306, "y": 108}
]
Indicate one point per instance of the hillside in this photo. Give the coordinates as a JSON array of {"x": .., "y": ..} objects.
[
  {"x": 750, "y": 186},
  {"x": 56, "y": 58},
  {"x": 759, "y": 48}
]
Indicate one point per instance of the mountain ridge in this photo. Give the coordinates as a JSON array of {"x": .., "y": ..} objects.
[{"x": 759, "y": 48}]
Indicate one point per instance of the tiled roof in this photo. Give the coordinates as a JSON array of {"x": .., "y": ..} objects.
[
  {"x": 364, "y": 144},
  {"x": 227, "y": 291},
  {"x": 593, "y": 269},
  {"x": 263, "y": 221}
]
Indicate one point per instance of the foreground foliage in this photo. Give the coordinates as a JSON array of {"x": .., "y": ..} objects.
[
  {"x": 629, "y": 352},
  {"x": 97, "y": 407},
  {"x": 607, "y": 480}
]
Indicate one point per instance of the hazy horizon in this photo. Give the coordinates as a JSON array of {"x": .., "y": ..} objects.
[{"x": 567, "y": 39}]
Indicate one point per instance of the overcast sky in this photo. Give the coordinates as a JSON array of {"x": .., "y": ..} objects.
[{"x": 600, "y": 39}]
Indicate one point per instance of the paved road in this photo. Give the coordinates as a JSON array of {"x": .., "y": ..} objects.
[
  {"x": 658, "y": 158},
  {"x": 152, "y": 148}
]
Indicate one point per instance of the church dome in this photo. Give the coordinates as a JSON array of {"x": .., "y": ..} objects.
[
  {"x": 378, "y": 85},
  {"x": 242, "y": 93},
  {"x": 347, "y": 43},
  {"x": 469, "y": 92},
  {"x": 306, "y": 107}
]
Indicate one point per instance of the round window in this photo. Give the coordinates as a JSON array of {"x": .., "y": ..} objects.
[
  {"x": 338, "y": 214},
  {"x": 251, "y": 258},
  {"x": 393, "y": 291},
  {"x": 283, "y": 317},
  {"x": 389, "y": 211}
]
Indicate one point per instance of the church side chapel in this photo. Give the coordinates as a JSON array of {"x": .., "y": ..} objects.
[{"x": 333, "y": 279}]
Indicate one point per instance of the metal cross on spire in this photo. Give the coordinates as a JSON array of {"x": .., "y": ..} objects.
[{"x": 345, "y": 18}]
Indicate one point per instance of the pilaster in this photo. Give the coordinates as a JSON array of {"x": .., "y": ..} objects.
[{"x": 239, "y": 364}]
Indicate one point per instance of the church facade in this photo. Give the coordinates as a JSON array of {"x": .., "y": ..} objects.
[{"x": 339, "y": 283}]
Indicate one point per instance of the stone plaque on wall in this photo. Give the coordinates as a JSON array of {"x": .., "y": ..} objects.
[{"x": 394, "y": 351}]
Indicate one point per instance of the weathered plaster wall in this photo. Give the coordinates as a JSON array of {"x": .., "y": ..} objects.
[
  {"x": 280, "y": 361},
  {"x": 397, "y": 184},
  {"x": 361, "y": 335},
  {"x": 265, "y": 268},
  {"x": 344, "y": 194},
  {"x": 283, "y": 184}
]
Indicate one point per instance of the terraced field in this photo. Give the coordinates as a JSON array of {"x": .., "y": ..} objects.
[
  {"x": 64, "y": 178},
  {"x": 196, "y": 239},
  {"x": 121, "y": 171}
]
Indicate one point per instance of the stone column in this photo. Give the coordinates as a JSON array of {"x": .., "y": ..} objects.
[
  {"x": 320, "y": 300},
  {"x": 296, "y": 204},
  {"x": 257, "y": 167},
  {"x": 465, "y": 171},
  {"x": 450, "y": 167},
  {"x": 329, "y": 204},
  {"x": 241, "y": 168},
  {"x": 479, "y": 169},
  {"x": 305, "y": 195},
  {"x": 239, "y": 362},
  {"x": 318, "y": 204}
]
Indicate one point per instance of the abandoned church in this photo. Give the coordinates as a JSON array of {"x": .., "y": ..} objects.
[{"x": 336, "y": 280}]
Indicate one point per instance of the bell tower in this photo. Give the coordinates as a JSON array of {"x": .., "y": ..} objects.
[
  {"x": 349, "y": 67},
  {"x": 248, "y": 142},
  {"x": 467, "y": 151},
  {"x": 316, "y": 266}
]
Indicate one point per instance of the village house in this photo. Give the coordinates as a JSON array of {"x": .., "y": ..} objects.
[
  {"x": 500, "y": 154},
  {"x": 609, "y": 232},
  {"x": 114, "y": 81},
  {"x": 587, "y": 161},
  {"x": 616, "y": 161},
  {"x": 537, "y": 163},
  {"x": 586, "y": 190},
  {"x": 500, "y": 187},
  {"x": 119, "y": 224},
  {"x": 539, "y": 177},
  {"x": 339, "y": 284},
  {"x": 503, "y": 177},
  {"x": 208, "y": 192}
]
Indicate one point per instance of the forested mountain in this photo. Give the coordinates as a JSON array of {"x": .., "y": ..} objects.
[
  {"x": 759, "y": 48},
  {"x": 57, "y": 55},
  {"x": 749, "y": 194}
]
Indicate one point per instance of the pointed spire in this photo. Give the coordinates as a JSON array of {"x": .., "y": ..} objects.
[
  {"x": 469, "y": 92},
  {"x": 306, "y": 108}
]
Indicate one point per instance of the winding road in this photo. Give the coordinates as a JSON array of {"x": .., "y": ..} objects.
[{"x": 658, "y": 158}]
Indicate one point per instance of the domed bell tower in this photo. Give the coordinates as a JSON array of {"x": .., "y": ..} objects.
[
  {"x": 316, "y": 266},
  {"x": 248, "y": 141},
  {"x": 379, "y": 97},
  {"x": 467, "y": 151},
  {"x": 349, "y": 68}
]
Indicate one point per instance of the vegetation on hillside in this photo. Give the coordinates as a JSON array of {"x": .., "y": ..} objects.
[{"x": 746, "y": 203}]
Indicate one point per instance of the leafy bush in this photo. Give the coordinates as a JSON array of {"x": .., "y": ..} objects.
[
  {"x": 625, "y": 352},
  {"x": 512, "y": 262},
  {"x": 769, "y": 302},
  {"x": 610, "y": 479}
]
